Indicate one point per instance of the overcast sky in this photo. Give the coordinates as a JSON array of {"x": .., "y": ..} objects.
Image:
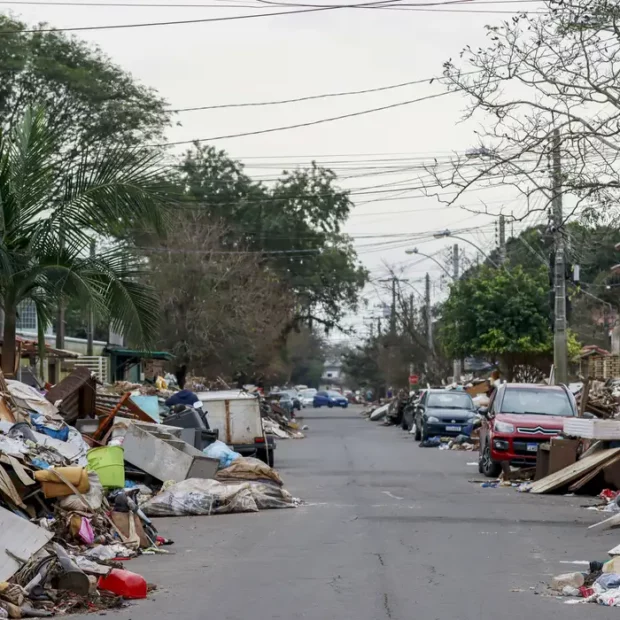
[{"x": 283, "y": 57}]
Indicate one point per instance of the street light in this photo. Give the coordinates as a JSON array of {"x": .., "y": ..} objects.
[
  {"x": 448, "y": 233},
  {"x": 416, "y": 251}
]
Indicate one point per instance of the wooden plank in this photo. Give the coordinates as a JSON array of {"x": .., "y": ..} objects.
[
  {"x": 577, "y": 470},
  {"x": 592, "y": 474},
  {"x": 585, "y": 392},
  {"x": 18, "y": 538}
]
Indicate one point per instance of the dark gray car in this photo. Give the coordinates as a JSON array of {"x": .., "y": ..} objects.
[{"x": 445, "y": 413}]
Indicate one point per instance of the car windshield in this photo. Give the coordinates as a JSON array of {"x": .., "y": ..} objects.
[
  {"x": 291, "y": 393},
  {"x": 308, "y": 393},
  {"x": 537, "y": 401},
  {"x": 335, "y": 395},
  {"x": 450, "y": 400}
]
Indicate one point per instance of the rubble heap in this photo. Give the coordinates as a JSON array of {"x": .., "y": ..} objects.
[{"x": 83, "y": 468}]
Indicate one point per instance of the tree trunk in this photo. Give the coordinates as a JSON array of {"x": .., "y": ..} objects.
[{"x": 8, "y": 343}]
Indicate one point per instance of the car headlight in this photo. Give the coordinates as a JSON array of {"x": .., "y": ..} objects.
[
  {"x": 432, "y": 419},
  {"x": 503, "y": 427}
]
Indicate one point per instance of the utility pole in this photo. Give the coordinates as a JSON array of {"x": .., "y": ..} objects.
[
  {"x": 429, "y": 318},
  {"x": 394, "y": 280},
  {"x": 502, "y": 240},
  {"x": 560, "y": 348},
  {"x": 91, "y": 315},
  {"x": 456, "y": 363}
]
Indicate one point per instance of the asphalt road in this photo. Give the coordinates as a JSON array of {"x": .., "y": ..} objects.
[{"x": 390, "y": 531}]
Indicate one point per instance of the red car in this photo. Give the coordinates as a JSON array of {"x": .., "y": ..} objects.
[{"x": 519, "y": 417}]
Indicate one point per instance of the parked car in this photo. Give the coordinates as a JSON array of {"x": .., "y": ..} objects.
[
  {"x": 307, "y": 397},
  {"x": 443, "y": 412},
  {"x": 521, "y": 416},
  {"x": 330, "y": 399},
  {"x": 294, "y": 394}
]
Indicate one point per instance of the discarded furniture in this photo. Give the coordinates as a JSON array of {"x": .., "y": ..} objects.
[
  {"x": 164, "y": 456},
  {"x": 555, "y": 455}
]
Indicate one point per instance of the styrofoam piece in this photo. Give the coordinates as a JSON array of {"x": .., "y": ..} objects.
[{"x": 592, "y": 428}]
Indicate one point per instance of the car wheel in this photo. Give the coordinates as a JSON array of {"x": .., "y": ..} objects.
[
  {"x": 418, "y": 434},
  {"x": 490, "y": 468},
  {"x": 330, "y": 405},
  {"x": 424, "y": 432},
  {"x": 345, "y": 405}
]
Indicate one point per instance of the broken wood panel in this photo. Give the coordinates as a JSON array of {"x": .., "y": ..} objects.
[
  {"x": 592, "y": 474},
  {"x": 577, "y": 470}
]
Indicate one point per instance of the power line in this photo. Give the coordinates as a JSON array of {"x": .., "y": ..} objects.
[
  {"x": 202, "y": 5},
  {"x": 310, "y": 123},
  {"x": 308, "y": 97},
  {"x": 382, "y": 3}
]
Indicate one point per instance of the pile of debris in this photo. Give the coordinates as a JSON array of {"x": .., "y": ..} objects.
[
  {"x": 83, "y": 469},
  {"x": 63, "y": 534},
  {"x": 599, "y": 585},
  {"x": 603, "y": 399},
  {"x": 276, "y": 422}
]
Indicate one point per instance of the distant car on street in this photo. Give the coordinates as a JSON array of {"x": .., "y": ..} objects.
[
  {"x": 307, "y": 397},
  {"x": 520, "y": 417},
  {"x": 443, "y": 412},
  {"x": 330, "y": 399}
]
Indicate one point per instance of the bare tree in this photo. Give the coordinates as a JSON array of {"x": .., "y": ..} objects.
[
  {"x": 557, "y": 69},
  {"x": 223, "y": 311}
]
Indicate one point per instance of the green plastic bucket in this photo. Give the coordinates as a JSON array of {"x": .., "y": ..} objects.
[{"x": 109, "y": 463}]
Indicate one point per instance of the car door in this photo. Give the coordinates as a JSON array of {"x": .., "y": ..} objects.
[{"x": 320, "y": 399}]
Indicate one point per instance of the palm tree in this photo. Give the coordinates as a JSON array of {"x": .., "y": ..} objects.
[{"x": 49, "y": 214}]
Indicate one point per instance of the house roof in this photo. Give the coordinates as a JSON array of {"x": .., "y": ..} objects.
[
  {"x": 149, "y": 355},
  {"x": 30, "y": 346}
]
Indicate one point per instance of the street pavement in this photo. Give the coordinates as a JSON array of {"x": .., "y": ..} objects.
[{"x": 389, "y": 531}]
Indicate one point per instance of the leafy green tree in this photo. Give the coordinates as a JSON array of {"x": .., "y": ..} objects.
[
  {"x": 501, "y": 315},
  {"x": 88, "y": 98},
  {"x": 296, "y": 223},
  {"x": 361, "y": 366},
  {"x": 306, "y": 354},
  {"x": 48, "y": 214}
]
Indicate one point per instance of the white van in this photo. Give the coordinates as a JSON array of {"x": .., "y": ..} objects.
[{"x": 236, "y": 415}]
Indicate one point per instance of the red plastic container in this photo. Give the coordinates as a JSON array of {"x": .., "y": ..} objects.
[{"x": 124, "y": 583}]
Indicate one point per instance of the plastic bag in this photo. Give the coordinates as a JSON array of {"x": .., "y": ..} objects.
[
  {"x": 219, "y": 450},
  {"x": 197, "y": 496},
  {"x": 611, "y": 598},
  {"x": 268, "y": 495},
  {"x": 94, "y": 497},
  {"x": 609, "y": 581},
  {"x": 86, "y": 532}
]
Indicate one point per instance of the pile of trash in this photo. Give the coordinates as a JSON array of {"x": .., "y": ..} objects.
[
  {"x": 603, "y": 399},
  {"x": 277, "y": 423},
  {"x": 600, "y": 585},
  {"x": 83, "y": 470}
]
